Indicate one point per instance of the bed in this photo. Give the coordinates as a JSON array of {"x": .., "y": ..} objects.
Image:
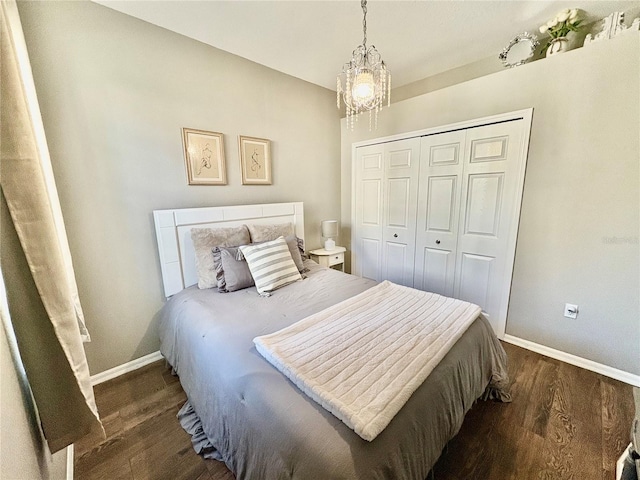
[{"x": 243, "y": 411}]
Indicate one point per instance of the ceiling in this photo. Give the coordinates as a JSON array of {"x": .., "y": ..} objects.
[{"x": 311, "y": 40}]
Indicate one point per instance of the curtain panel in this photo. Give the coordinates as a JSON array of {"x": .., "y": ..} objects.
[{"x": 35, "y": 259}]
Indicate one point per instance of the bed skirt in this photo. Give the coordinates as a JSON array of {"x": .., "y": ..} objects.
[{"x": 192, "y": 424}]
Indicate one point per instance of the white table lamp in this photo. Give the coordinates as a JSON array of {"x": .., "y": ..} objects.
[{"x": 329, "y": 232}]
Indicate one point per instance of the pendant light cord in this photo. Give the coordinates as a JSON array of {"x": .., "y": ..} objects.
[{"x": 363, "y": 4}]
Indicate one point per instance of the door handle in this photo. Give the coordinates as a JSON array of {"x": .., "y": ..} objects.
[
  {"x": 395, "y": 235},
  {"x": 437, "y": 242}
]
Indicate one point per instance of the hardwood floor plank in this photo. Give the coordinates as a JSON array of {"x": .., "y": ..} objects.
[
  {"x": 112, "y": 426},
  {"x": 471, "y": 442},
  {"x": 172, "y": 397},
  {"x": 111, "y": 451},
  {"x": 180, "y": 464},
  {"x": 219, "y": 470},
  {"x": 524, "y": 371},
  {"x": 517, "y": 358},
  {"x": 169, "y": 377},
  {"x": 576, "y": 416},
  {"x": 617, "y": 415},
  {"x": 162, "y": 429},
  {"x": 115, "y": 468},
  {"x": 525, "y": 448},
  {"x": 205, "y": 476},
  {"x": 558, "y": 456},
  {"x": 115, "y": 394},
  {"x": 492, "y": 448},
  {"x": 540, "y": 400},
  {"x": 578, "y": 393}
]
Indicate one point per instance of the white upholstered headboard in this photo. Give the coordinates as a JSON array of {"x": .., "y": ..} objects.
[{"x": 173, "y": 233}]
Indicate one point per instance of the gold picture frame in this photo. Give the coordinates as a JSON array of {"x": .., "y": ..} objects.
[
  {"x": 204, "y": 157},
  {"x": 255, "y": 160}
]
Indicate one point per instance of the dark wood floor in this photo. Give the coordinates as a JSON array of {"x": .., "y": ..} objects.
[{"x": 564, "y": 423}]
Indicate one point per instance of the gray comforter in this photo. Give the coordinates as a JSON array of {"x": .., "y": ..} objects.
[{"x": 264, "y": 428}]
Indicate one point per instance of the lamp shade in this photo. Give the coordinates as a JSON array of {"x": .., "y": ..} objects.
[{"x": 329, "y": 228}]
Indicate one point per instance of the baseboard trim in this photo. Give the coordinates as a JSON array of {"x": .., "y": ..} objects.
[
  {"x": 605, "y": 370},
  {"x": 70, "y": 462},
  {"x": 125, "y": 368}
]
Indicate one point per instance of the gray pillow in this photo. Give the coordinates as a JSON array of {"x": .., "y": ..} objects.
[
  {"x": 266, "y": 233},
  {"x": 301, "y": 249},
  {"x": 205, "y": 239},
  {"x": 232, "y": 274},
  {"x": 293, "y": 244}
]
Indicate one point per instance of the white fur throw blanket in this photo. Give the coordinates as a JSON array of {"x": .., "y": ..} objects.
[{"x": 361, "y": 359}]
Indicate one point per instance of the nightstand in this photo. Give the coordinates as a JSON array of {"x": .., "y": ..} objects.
[{"x": 329, "y": 258}]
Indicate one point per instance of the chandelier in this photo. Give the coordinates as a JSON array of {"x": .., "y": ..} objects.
[{"x": 364, "y": 82}]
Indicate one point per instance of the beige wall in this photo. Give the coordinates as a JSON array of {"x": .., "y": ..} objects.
[
  {"x": 114, "y": 92},
  {"x": 578, "y": 237},
  {"x": 479, "y": 68}
]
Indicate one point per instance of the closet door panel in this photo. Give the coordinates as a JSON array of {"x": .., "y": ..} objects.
[
  {"x": 475, "y": 278},
  {"x": 440, "y": 212},
  {"x": 369, "y": 191},
  {"x": 436, "y": 273},
  {"x": 372, "y": 203},
  {"x": 399, "y": 192},
  {"x": 484, "y": 204},
  {"x": 396, "y": 259},
  {"x": 369, "y": 258},
  {"x": 400, "y": 196},
  {"x": 437, "y": 212},
  {"x": 488, "y": 217}
]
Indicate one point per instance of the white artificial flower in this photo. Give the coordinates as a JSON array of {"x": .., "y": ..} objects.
[
  {"x": 543, "y": 28},
  {"x": 573, "y": 15},
  {"x": 552, "y": 23},
  {"x": 562, "y": 17}
]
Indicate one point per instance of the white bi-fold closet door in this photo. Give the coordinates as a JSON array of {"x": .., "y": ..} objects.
[
  {"x": 440, "y": 211},
  {"x": 386, "y": 202}
]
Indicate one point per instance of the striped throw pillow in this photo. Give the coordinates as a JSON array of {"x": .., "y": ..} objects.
[{"x": 271, "y": 265}]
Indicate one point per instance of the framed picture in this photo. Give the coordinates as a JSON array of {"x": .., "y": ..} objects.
[
  {"x": 204, "y": 156},
  {"x": 255, "y": 160}
]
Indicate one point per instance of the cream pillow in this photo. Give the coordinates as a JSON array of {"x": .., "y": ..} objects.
[
  {"x": 266, "y": 233},
  {"x": 271, "y": 265},
  {"x": 205, "y": 239}
]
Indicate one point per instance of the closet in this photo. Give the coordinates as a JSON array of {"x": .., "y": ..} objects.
[{"x": 439, "y": 210}]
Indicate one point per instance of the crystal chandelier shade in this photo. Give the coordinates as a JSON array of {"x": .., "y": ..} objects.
[{"x": 365, "y": 82}]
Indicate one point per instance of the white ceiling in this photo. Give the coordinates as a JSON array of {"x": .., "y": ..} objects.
[{"x": 311, "y": 40}]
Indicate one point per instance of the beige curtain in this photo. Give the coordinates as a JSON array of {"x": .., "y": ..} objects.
[{"x": 35, "y": 259}]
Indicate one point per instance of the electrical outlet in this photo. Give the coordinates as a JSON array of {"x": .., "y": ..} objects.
[{"x": 570, "y": 311}]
